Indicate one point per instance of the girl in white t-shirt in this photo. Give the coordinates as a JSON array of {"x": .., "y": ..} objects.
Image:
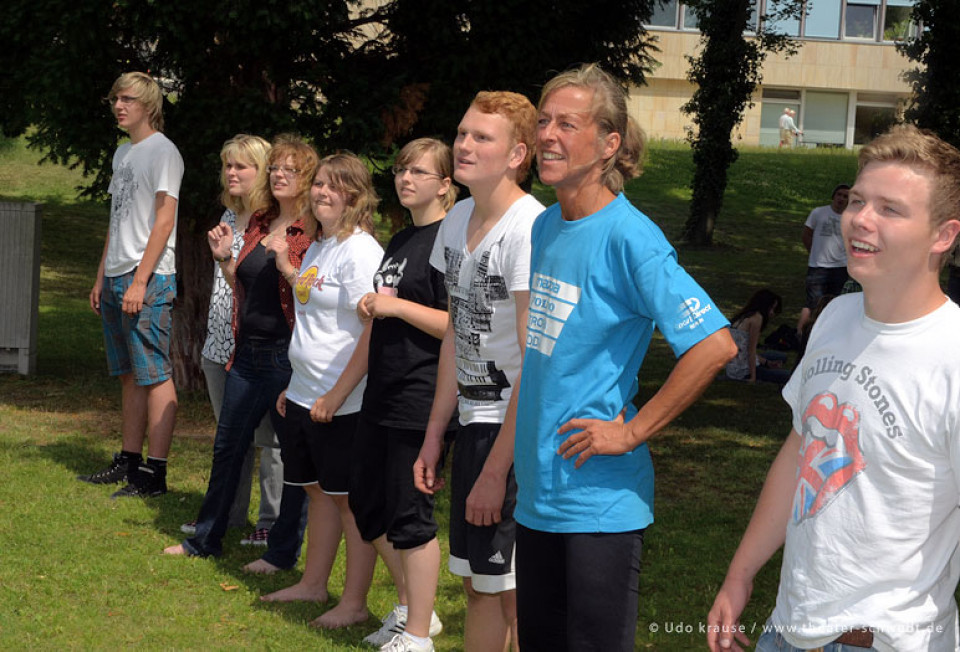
[{"x": 319, "y": 422}]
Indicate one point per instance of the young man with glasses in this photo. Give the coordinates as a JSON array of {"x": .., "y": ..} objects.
[{"x": 136, "y": 286}]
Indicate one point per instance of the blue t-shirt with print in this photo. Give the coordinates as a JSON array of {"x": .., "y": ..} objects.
[{"x": 598, "y": 286}]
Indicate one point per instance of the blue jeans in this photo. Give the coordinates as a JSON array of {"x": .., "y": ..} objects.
[
  {"x": 771, "y": 641},
  {"x": 260, "y": 372}
]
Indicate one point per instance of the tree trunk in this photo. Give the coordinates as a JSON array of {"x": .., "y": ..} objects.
[{"x": 194, "y": 280}]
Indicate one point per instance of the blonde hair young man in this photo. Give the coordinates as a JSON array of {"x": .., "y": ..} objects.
[
  {"x": 136, "y": 285},
  {"x": 863, "y": 494}
]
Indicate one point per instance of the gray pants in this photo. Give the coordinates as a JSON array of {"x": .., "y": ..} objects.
[{"x": 271, "y": 467}]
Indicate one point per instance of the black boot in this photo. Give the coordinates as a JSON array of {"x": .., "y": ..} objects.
[
  {"x": 148, "y": 480},
  {"x": 123, "y": 466}
]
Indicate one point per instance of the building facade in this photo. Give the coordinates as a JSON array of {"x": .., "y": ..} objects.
[{"x": 845, "y": 82}]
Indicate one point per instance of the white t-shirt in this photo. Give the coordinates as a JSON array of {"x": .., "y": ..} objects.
[
  {"x": 334, "y": 275},
  {"x": 139, "y": 172},
  {"x": 827, "y": 249},
  {"x": 873, "y": 536},
  {"x": 480, "y": 284}
]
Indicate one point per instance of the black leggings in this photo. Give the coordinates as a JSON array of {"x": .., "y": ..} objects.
[{"x": 577, "y": 591}]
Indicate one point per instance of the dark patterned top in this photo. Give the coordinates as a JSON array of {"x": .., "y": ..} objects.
[{"x": 297, "y": 240}]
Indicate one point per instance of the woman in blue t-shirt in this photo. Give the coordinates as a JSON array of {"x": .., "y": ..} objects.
[{"x": 602, "y": 275}]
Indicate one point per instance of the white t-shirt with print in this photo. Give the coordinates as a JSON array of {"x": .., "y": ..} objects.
[
  {"x": 140, "y": 172},
  {"x": 333, "y": 276},
  {"x": 826, "y": 248},
  {"x": 480, "y": 284},
  {"x": 873, "y": 535}
]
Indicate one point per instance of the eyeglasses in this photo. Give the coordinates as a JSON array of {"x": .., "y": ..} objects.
[
  {"x": 417, "y": 173},
  {"x": 124, "y": 99},
  {"x": 287, "y": 172}
]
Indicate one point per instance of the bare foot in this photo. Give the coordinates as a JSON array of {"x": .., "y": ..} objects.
[
  {"x": 176, "y": 550},
  {"x": 341, "y": 616},
  {"x": 261, "y": 567},
  {"x": 297, "y": 593}
]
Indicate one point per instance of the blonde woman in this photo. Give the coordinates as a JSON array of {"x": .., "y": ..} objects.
[
  {"x": 602, "y": 275},
  {"x": 243, "y": 178},
  {"x": 262, "y": 319}
]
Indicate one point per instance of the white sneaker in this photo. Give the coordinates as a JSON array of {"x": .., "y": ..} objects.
[
  {"x": 394, "y": 623},
  {"x": 401, "y": 643}
]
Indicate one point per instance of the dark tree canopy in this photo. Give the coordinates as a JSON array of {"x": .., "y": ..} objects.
[
  {"x": 726, "y": 73},
  {"x": 936, "y": 104},
  {"x": 345, "y": 74}
]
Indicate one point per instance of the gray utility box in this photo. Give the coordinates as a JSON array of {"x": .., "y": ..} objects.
[{"x": 19, "y": 285}]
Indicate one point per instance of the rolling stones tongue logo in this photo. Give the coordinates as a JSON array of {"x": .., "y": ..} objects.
[{"x": 830, "y": 455}]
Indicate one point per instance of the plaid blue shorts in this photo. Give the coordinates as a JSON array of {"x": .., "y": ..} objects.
[{"x": 139, "y": 344}]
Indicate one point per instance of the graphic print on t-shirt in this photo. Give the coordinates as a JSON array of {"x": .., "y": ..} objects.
[
  {"x": 551, "y": 302},
  {"x": 123, "y": 200},
  {"x": 830, "y": 228},
  {"x": 472, "y": 308},
  {"x": 830, "y": 455},
  {"x": 387, "y": 279},
  {"x": 305, "y": 282}
]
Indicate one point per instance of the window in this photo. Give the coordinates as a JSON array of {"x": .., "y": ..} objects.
[
  {"x": 875, "y": 113},
  {"x": 874, "y": 20},
  {"x": 774, "y": 102},
  {"x": 788, "y": 26},
  {"x": 861, "y": 19},
  {"x": 664, "y": 15},
  {"x": 871, "y": 121},
  {"x": 825, "y": 118},
  {"x": 896, "y": 21},
  {"x": 823, "y": 19},
  {"x": 781, "y": 94},
  {"x": 671, "y": 14}
]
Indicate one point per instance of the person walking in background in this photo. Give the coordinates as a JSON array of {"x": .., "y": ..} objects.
[
  {"x": 263, "y": 318},
  {"x": 408, "y": 318},
  {"x": 483, "y": 251},
  {"x": 321, "y": 405},
  {"x": 136, "y": 285},
  {"x": 243, "y": 178},
  {"x": 827, "y": 262},
  {"x": 788, "y": 128}
]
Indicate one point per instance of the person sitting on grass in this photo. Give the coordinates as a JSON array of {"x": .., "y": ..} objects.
[{"x": 745, "y": 327}]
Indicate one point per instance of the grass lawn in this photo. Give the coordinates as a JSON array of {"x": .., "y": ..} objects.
[{"x": 80, "y": 571}]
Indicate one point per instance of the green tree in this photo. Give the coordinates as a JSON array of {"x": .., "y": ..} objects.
[
  {"x": 346, "y": 74},
  {"x": 936, "y": 101},
  {"x": 726, "y": 73}
]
